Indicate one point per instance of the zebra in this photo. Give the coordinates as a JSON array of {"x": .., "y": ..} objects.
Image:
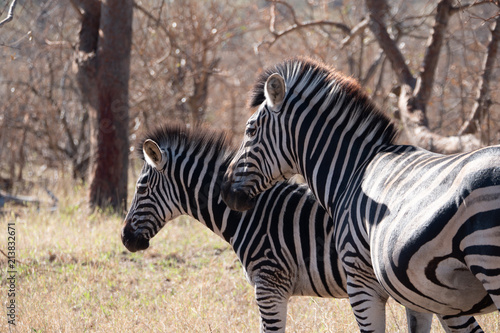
[
  {"x": 415, "y": 225},
  {"x": 285, "y": 244}
]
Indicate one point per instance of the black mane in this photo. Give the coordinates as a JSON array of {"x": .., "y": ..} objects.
[
  {"x": 306, "y": 64},
  {"x": 198, "y": 138},
  {"x": 324, "y": 75}
]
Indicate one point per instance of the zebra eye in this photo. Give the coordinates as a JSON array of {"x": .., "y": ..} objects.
[
  {"x": 142, "y": 189},
  {"x": 251, "y": 131}
]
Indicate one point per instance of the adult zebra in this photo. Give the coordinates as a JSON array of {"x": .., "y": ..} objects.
[
  {"x": 285, "y": 244},
  {"x": 421, "y": 227}
]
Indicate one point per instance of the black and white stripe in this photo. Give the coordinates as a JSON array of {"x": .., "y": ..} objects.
[
  {"x": 420, "y": 227},
  {"x": 285, "y": 244}
]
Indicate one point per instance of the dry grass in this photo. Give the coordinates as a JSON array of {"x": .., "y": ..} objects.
[{"x": 74, "y": 275}]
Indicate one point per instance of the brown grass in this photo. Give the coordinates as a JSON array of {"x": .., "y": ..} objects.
[{"x": 74, "y": 275}]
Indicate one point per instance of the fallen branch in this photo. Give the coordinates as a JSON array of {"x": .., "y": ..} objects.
[
  {"x": 17, "y": 200},
  {"x": 422, "y": 136},
  {"x": 21, "y": 200}
]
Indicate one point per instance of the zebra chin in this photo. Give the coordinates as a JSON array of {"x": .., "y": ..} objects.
[
  {"x": 236, "y": 199},
  {"x": 133, "y": 240}
]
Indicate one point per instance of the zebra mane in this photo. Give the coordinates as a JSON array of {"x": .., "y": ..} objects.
[
  {"x": 317, "y": 73},
  {"x": 195, "y": 139}
]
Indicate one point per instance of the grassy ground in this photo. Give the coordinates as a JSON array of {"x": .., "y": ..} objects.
[{"x": 74, "y": 275}]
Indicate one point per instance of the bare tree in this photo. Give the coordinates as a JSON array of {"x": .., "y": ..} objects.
[
  {"x": 43, "y": 126},
  {"x": 181, "y": 53}
]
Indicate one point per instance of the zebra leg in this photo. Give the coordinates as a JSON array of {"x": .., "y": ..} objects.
[
  {"x": 460, "y": 324},
  {"x": 272, "y": 302},
  {"x": 418, "y": 322},
  {"x": 368, "y": 304}
]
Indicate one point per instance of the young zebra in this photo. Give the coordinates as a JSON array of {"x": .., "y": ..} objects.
[
  {"x": 285, "y": 244},
  {"x": 421, "y": 227}
]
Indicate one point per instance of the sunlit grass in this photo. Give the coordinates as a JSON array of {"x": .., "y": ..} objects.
[{"x": 74, "y": 275}]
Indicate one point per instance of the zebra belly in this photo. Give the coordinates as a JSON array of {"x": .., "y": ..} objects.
[
  {"x": 449, "y": 288},
  {"x": 327, "y": 287},
  {"x": 443, "y": 266}
]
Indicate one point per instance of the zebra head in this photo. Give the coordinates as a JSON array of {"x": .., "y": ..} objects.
[
  {"x": 149, "y": 211},
  {"x": 262, "y": 159}
]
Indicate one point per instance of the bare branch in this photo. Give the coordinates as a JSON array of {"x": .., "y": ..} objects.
[
  {"x": 378, "y": 28},
  {"x": 371, "y": 70},
  {"x": 297, "y": 25},
  {"x": 35, "y": 92},
  {"x": 149, "y": 15},
  {"x": 10, "y": 14},
  {"x": 354, "y": 32},
  {"x": 163, "y": 27},
  {"x": 309, "y": 24},
  {"x": 464, "y": 6},
  {"x": 76, "y": 6},
  {"x": 272, "y": 27},
  {"x": 272, "y": 20},
  {"x": 58, "y": 43},
  {"x": 483, "y": 102}
]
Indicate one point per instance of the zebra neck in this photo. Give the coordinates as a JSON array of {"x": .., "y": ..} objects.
[
  {"x": 199, "y": 192},
  {"x": 330, "y": 161}
]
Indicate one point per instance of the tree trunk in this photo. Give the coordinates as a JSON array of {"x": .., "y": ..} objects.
[
  {"x": 483, "y": 100},
  {"x": 103, "y": 61}
]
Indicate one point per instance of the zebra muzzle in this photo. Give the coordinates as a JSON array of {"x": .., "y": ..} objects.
[
  {"x": 236, "y": 199},
  {"x": 133, "y": 239}
]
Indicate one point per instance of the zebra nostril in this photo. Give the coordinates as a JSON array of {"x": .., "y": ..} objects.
[
  {"x": 126, "y": 229},
  {"x": 133, "y": 240}
]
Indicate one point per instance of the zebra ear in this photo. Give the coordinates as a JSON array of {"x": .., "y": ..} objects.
[
  {"x": 152, "y": 154},
  {"x": 275, "y": 90}
]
